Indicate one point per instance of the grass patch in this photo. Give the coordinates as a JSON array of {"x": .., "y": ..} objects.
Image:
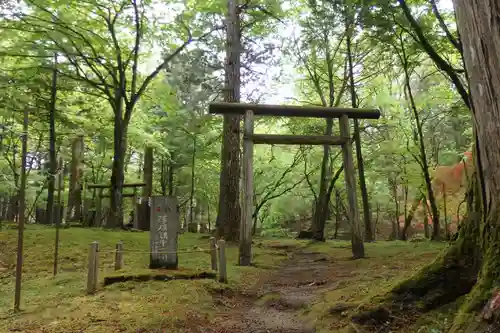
[
  {"x": 359, "y": 281},
  {"x": 59, "y": 304}
]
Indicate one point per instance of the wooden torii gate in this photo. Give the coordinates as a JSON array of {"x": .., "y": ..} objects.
[{"x": 250, "y": 138}]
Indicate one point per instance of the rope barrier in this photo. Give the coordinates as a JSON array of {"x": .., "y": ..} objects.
[
  {"x": 149, "y": 252},
  {"x": 217, "y": 252}
]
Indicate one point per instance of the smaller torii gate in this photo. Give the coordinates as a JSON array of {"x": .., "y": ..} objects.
[{"x": 250, "y": 138}]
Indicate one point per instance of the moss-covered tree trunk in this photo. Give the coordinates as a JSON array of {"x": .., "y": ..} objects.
[
  {"x": 471, "y": 266},
  {"x": 479, "y": 27}
]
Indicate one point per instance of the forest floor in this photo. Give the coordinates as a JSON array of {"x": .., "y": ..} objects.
[{"x": 294, "y": 286}]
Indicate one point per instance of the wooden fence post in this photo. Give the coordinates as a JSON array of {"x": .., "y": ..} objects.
[
  {"x": 213, "y": 253},
  {"x": 222, "y": 261},
  {"x": 119, "y": 256},
  {"x": 93, "y": 268}
]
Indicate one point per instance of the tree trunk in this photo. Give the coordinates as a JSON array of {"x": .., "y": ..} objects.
[
  {"x": 408, "y": 218},
  {"x": 394, "y": 230},
  {"x": 254, "y": 226},
  {"x": 426, "y": 219},
  {"x": 446, "y": 226},
  {"x": 163, "y": 176},
  {"x": 192, "y": 227},
  {"x": 472, "y": 265},
  {"x": 144, "y": 213},
  {"x": 229, "y": 213},
  {"x": 209, "y": 222},
  {"x": 362, "y": 183},
  {"x": 395, "y": 222},
  {"x": 60, "y": 184},
  {"x": 171, "y": 175},
  {"x": 115, "y": 214},
  {"x": 321, "y": 209},
  {"x": 359, "y": 156},
  {"x": 21, "y": 194},
  {"x": 338, "y": 219},
  {"x": 75, "y": 187},
  {"x": 52, "y": 146},
  {"x": 147, "y": 172},
  {"x": 421, "y": 145},
  {"x": 479, "y": 26}
]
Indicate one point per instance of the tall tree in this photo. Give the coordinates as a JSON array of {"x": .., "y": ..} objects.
[
  {"x": 471, "y": 265},
  {"x": 106, "y": 61},
  {"x": 367, "y": 219},
  {"x": 75, "y": 182},
  {"x": 229, "y": 213},
  {"x": 319, "y": 54},
  {"x": 22, "y": 213},
  {"x": 52, "y": 145},
  {"x": 421, "y": 158}
]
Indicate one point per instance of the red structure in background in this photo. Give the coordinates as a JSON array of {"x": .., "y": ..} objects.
[{"x": 449, "y": 180}]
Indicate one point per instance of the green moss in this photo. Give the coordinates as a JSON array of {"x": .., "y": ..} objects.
[
  {"x": 451, "y": 275},
  {"x": 488, "y": 279},
  {"x": 158, "y": 275},
  {"x": 60, "y": 304}
]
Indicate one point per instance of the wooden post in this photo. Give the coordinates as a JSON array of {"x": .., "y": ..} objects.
[
  {"x": 358, "y": 249},
  {"x": 93, "y": 268},
  {"x": 222, "y": 261},
  {"x": 247, "y": 198},
  {"x": 119, "y": 256},
  {"x": 213, "y": 253}
]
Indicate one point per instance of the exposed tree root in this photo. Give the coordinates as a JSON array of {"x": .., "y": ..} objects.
[
  {"x": 452, "y": 275},
  {"x": 480, "y": 313},
  {"x": 438, "y": 284}
]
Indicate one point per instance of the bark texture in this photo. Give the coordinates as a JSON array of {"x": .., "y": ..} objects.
[
  {"x": 479, "y": 27},
  {"x": 321, "y": 210},
  {"x": 229, "y": 214},
  {"x": 75, "y": 184},
  {"x": 115, "y": 215}
]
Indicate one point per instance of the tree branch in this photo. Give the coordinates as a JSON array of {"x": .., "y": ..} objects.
[
  {"x": 445, "y": 28},
  {"x": 438, "y": 60},
  {"x": 135, "y": 51}
]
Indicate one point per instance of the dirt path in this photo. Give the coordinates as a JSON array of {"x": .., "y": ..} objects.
[{"x": 272, "y": 304}]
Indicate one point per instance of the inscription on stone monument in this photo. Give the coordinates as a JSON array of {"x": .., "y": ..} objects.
[{"x": 164, "y": 232}]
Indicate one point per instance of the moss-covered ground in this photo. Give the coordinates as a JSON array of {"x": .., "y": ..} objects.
[{"x": 60, "y": 304}]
